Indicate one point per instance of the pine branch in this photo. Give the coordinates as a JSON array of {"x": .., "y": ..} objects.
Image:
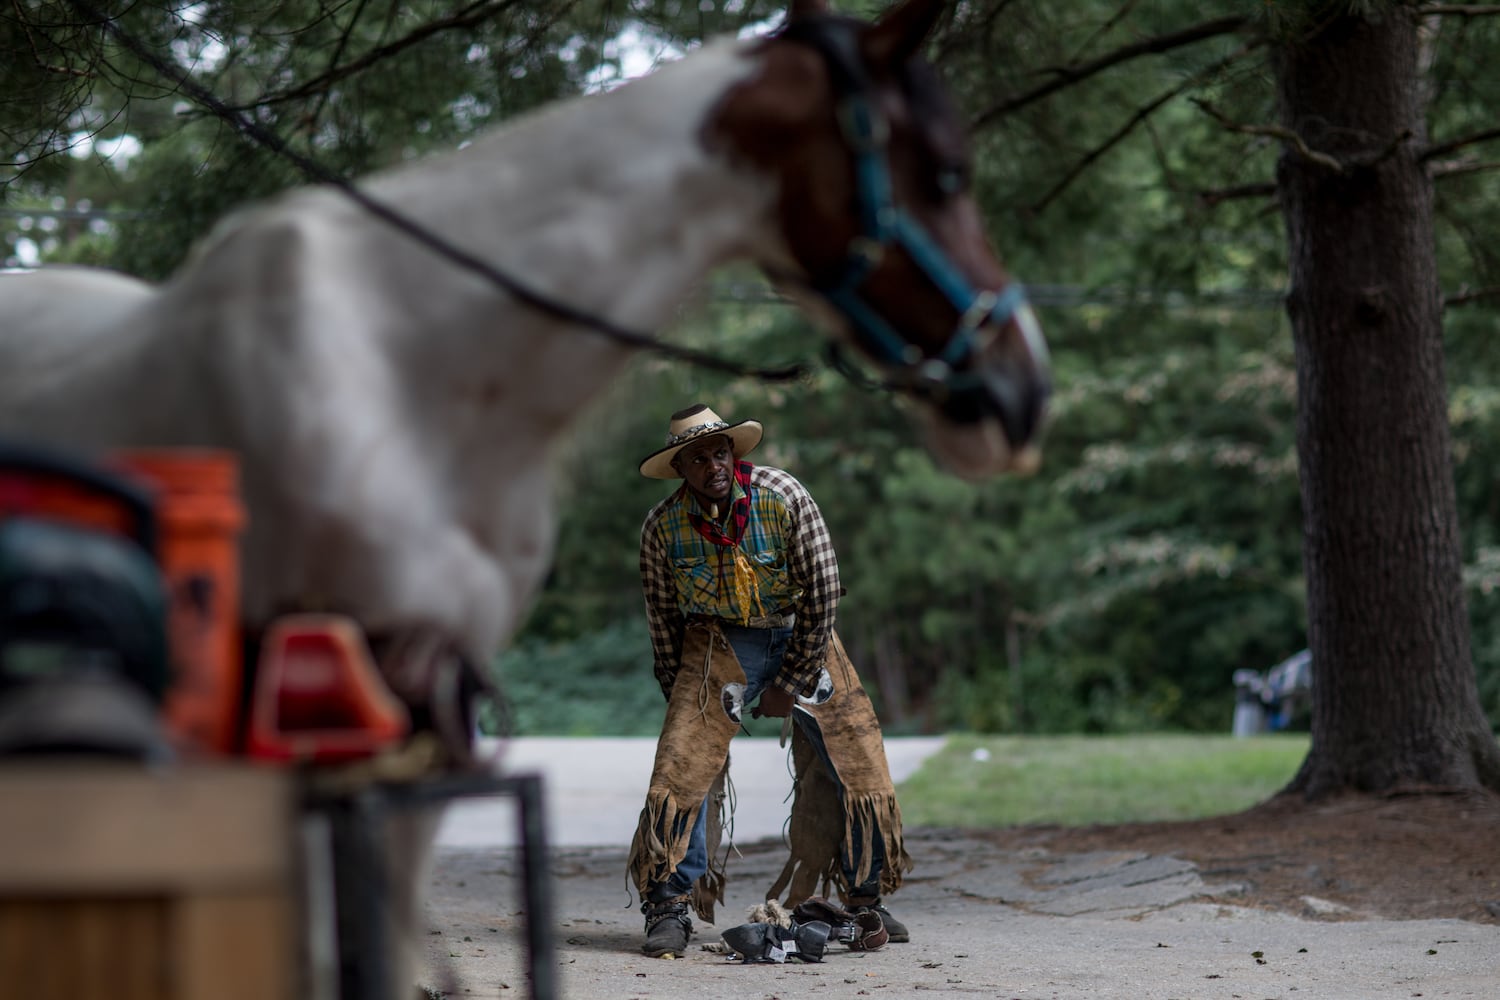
[
  {"x": 1110, "y": 23},
  {"x": 36, "y": 54},
  {"x": 1214, "y": 197},
  {"x": 1461, "y": 9},
  {"x": 1279, "y": 132},
  {"x": 1452, "y": 146},
  {"x": 1466, "y": 296},
  {"x": 1068, "y": 75},
  {"x": 956, "y": 36},
  {"x": 1140, "y": 115},
  {"x": 474, "y": 14},
  {"x": 1461, "y": 168},
  {"x": 340, "y": 48}
]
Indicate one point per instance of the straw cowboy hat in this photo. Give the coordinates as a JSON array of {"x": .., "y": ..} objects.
[{"x": 688, "y": 426}]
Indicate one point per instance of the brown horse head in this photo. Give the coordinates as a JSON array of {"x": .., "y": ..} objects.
[{"x": 878, "y": 227}]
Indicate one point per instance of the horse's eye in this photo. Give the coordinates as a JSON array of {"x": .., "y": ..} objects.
[{"x": 952, "y": 180}]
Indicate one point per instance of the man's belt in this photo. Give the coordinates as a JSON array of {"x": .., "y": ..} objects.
[{"x": 784, "y": 618}]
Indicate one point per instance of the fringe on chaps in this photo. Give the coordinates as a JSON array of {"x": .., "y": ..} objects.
[
  {"x": 823, "y": 829},
  {"x": 692, "y": 762},
  {"x": 692, "y": 759}
]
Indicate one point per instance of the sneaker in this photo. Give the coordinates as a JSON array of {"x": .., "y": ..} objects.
[
  {"x": 668, "y": 927},
  {"x": 893, "y": 927}
]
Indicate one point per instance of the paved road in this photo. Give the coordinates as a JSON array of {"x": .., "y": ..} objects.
[
  {"x": 986, "y": 922},
  {"x": 1012, "y": 925},
  {"x": 595, "y": 789}
]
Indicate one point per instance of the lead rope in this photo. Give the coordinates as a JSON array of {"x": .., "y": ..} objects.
[{"x": 704, "y": 696}]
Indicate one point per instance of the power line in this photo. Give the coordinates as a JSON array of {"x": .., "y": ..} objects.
[
  {"x": 72, "y": 214},
  {"x": 1064, "y": 296}
]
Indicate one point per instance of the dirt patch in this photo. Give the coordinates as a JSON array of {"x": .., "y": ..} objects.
[{"x": 1400, "y": 857}]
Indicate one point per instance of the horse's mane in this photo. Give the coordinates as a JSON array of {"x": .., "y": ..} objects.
[
  {"x": 933, "y": 113},
  {"x": 491, "y": 141}
]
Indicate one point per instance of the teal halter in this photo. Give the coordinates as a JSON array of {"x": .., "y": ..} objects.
[{"x": 944, "y": 376}]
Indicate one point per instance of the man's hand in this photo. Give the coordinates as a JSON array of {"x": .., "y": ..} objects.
[{"x": 774, "y": 703}]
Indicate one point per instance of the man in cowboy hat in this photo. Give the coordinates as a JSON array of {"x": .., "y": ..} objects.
[{"x": 741, "y": 586}]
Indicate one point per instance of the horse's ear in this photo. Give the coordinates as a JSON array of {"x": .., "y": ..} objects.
[
  {"x": 901, "y": 31},
  {"x": 805, "y": 8}
]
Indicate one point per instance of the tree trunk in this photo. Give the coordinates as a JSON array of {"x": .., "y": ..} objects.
[{"x": 1395, "y": 699}]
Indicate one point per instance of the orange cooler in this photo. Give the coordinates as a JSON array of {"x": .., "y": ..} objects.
[{"x": 200, "y": 518}]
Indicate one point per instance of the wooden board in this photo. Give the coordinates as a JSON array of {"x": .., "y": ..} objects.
[{"x": 121, "y": 883}]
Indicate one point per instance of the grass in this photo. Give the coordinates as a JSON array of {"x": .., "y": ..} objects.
[{"x": 992, "y": 781}]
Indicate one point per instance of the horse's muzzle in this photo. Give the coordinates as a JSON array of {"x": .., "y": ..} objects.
[{"x": 1012, "y": 394}]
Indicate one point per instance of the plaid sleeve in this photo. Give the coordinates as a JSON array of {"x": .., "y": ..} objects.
[
  {"x": 663, "y": 619},
  {"x": 813, "y": 566}
]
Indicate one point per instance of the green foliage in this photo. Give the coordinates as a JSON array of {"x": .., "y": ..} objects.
[
  {"x": 198, "y": 175},
  {"x": 599, "y": 684}
]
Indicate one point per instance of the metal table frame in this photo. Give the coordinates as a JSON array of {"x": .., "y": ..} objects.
[{"x": 356, "y": 827}]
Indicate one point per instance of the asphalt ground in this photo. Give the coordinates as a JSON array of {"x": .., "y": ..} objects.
[
  {"x": 985, "y": 921},
  {"x": 594, "y": 789}
]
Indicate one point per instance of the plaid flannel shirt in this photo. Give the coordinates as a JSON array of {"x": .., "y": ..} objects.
[{"x": 790, "y": 551}]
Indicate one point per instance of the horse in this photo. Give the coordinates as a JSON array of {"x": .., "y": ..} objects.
[{"x": 394, "y": 407}]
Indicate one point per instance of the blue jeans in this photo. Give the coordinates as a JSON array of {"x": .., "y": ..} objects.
[{"x": 760, "y": 652}]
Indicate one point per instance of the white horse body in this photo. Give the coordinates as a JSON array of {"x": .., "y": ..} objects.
[{"x": 393, "y": 412}]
